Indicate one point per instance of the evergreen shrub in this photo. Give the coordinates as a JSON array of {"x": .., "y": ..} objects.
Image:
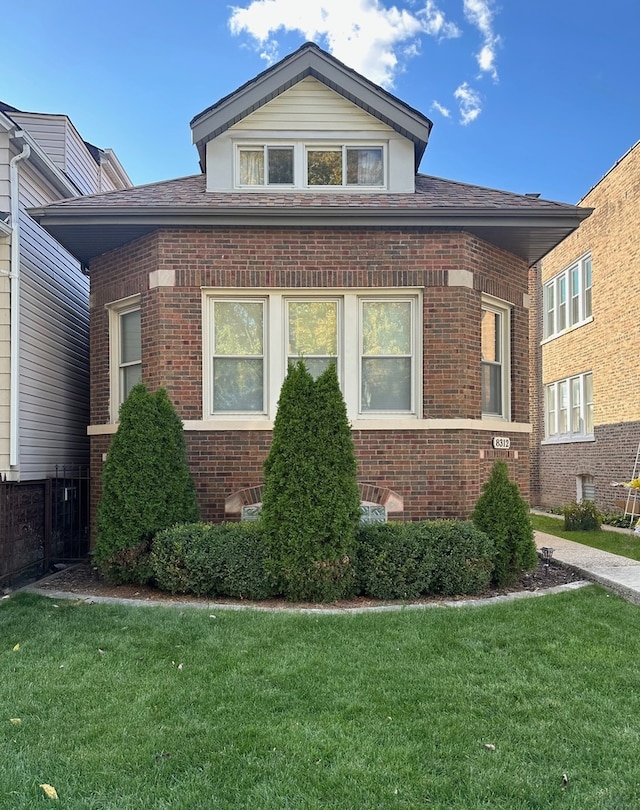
[
  {"x": 406, "y": 560},
  {"x": 462, "y": 557},
  {"x": 311, "y": 501},
  {"x": 393, "y": 561},
  {"x": 503, "y": 514},
  {"x": 583, "y": 516},
  {"x": 146, "y": 486},
  {"x": 227, "y": 559}
]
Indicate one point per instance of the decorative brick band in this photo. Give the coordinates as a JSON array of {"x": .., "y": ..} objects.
[{"x": 369, "y": 493}]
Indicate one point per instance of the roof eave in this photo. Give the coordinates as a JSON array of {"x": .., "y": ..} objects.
[{"x": 87, "y": 234}]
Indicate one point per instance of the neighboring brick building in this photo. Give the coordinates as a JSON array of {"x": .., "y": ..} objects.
[
  {"x": 310, "y": 233},
  {"x": 587, "y": 331}
]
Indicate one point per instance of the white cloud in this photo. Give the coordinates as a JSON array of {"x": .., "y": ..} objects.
[
  {"x": 469, "y": 102},
  {"x": 480, "y": 14},
  {"x": 441, "y": 109},
  {"x": 435, "y": 23},
  {"x": 364, "y": 34}
]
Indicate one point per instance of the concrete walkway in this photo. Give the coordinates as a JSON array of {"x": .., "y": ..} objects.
[{"x": 618, "y": 574}]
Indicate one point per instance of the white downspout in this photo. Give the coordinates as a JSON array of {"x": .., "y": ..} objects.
[{"x": 14, "y": 281}]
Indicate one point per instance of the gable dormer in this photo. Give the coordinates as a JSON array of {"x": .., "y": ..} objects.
[{"x": 310, "y": 123}]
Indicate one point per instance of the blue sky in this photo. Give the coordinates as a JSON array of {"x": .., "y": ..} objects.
[{"x": 525, "y": 95}]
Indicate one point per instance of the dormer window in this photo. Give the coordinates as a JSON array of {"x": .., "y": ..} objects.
[
  {"x": 266, "y": 166},
  {"x": 304, "y": 165},
  {"x": 345, "y": 166}
]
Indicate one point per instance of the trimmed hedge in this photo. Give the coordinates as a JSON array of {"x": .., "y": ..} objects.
[
  {"x": 463, "y": 557},
  {"x": 227, "y": 559},
  {"x": 392, "y": 560}
]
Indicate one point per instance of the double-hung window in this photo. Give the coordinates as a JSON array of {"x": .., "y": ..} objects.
[
  {"x": 238, "y": 359},
  {"x": 373, "y": 341},
  {"x": 569, "y": 408},
  {"x": 567, "y": 298},
  {"x": 125, "y": 350},
  {"x": 495, "y": 363}
]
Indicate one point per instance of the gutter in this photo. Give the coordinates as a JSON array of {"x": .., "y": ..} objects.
[{"x": 14, "y": 281}]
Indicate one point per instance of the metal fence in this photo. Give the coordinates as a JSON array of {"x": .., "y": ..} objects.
[{"x": 43, "y": 523}]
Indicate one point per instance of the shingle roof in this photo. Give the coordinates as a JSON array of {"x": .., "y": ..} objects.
[
  {"x": 524, "y": 225},
  {"x": 431, "y": 193}
]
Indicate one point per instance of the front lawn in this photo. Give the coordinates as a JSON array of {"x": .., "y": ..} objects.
[
  {"x": 473, "y": 707},
  {"x": 626, "y": 544}
]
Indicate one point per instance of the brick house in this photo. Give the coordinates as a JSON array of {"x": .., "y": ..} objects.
[
  {"x": 586, "y": 333},
  {"x": 309, "y": 231}
]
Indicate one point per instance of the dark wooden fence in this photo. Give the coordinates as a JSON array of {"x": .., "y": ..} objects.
[{"x": 43, "y": 523}]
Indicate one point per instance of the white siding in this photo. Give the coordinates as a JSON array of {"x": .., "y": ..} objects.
[
  {"x": 54, "y": 359},
  {"x": 5, "y": 308},
  {"x": 311, "y": 105},
  {"x": 56, "y": 135},
  {"x": 311, "y": 111}
]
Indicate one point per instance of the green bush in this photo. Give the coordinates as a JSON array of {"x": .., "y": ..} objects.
[
  {"x": 227, "y": 559},
  {"x": 583, "y": 516},
  {"x": 618, "y": 519},
  {"x": 503, "y": 514},
  {"x": 462, "y": 557},
  {"x": 406, "y": 560},
  {"x": 393, "y": 561},
  {"x": 311, "y": 503},
  {"x": 146, "y": 486}
]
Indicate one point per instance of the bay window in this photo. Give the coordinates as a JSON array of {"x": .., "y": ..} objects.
[{"x": 373, "y": 340}]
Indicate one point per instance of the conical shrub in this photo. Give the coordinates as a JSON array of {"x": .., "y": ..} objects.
[
  {"x": 146, "y": 486},
  {"x": 503, "y": 514}
]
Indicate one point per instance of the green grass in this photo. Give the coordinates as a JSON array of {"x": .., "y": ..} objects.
[
  {"x": 626, "y": 544},
  {"x": 300, "y": 711}
]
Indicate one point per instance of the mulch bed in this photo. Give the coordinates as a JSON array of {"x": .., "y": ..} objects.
[{"x": 83, "y": 580}]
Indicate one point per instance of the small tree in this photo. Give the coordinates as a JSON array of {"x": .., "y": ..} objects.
[
  {"x": 146, "y": 486},
  {"x": 503, "y": 514},
  {"x": 311, "y": 501}
]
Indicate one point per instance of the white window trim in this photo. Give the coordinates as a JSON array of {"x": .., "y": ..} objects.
[
  {"x": 116, "y": 310},
  {"x": 554, "y": 285},
  {"x": 503, "y": 308},
  {"x": 552, "y": 434},
  {"x": 348, "y": 366},
  {"x": 300, "y": 148}
]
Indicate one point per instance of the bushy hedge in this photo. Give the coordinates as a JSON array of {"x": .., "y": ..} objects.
[
  {"x": 391, "y": 561},
  {"x": 463, "y": 557},
  {"x": 227, "y": 559},
  {"x": 583, "y": 516},
  {"x": 405, "y": 560}
]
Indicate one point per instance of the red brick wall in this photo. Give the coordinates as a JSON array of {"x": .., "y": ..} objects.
[{"x": 438, "y": 473}]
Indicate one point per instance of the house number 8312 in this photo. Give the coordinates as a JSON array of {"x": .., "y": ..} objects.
[{"x": 501, "y": 442}]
